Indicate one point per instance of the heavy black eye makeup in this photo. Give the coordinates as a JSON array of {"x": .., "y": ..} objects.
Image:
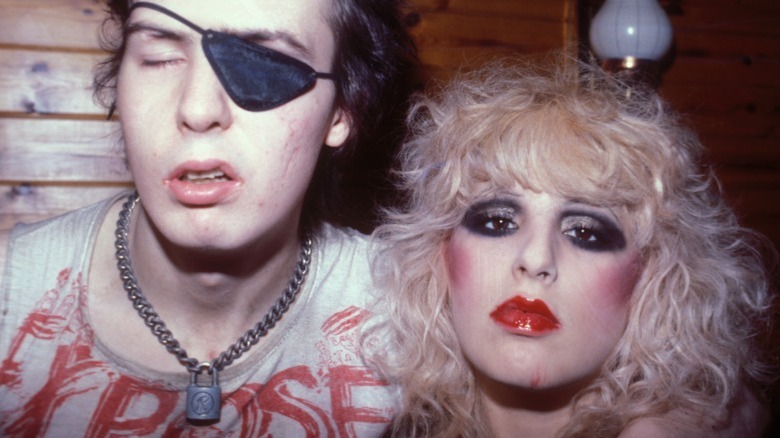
[
  {"x": 492, "y": 218},
  {"x": 592, "y": 231}
]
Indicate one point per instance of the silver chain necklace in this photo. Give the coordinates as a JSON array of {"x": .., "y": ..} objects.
[{"x": 203, "y": 401}]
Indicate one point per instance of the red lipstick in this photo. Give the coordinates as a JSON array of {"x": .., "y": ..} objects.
[
  {"x": 202, "y": 183},
  {"x": 525, "y": 317}
]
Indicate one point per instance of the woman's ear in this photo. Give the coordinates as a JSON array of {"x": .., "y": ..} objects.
[{"x": 340, "y": 128}]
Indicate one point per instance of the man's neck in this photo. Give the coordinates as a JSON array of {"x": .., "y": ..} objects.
[{"x": 206, "y": 298}]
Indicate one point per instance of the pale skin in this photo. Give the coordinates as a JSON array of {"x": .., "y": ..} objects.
[
  {"x": 748, "y": 419},
  {"x": 211, "y": 272},
  {"x": 575, "y": 258},
  {"x": 580, "y": 261}
]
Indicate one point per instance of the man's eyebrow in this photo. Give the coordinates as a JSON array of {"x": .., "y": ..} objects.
[
  {"x": 256, "y": 36},
  {"x": 263, "y": 36},
  {"x": 155, "y": 31}
]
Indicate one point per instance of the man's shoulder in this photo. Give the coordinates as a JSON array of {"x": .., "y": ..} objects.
[
  {"x": 31, "y": 248},
  {"x": 4, "y": 236},
  {"x": 338, "y": 242},
  {"x": 70, "y": 225},
  {"x": 333, "y": 233},
  {"x": 343, "y": 259}
]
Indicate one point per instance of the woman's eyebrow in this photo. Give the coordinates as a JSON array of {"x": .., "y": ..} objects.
[
  {"x": 606, "y": 216},
  {"x": 496, "y": 202}
]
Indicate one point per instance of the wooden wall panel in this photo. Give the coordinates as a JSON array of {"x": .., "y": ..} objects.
[
  {"x": 45, "y": 82},
  {"x": 57, "y": 151},
  {"x": 462, "y": 34},
  {"x": 62, "y": 24},
  {"x": 725, "y": 78},
  {"x": 547, "y": 10},
  {"x": 52, "y": 150}
]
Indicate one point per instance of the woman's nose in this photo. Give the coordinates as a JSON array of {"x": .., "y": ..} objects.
[{"x": 535, "y": 257}]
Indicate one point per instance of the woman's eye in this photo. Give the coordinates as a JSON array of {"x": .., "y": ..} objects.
[
  {"x": 492, "y": 219},
  {"x": 594, "y": 234},
  {"x": 499, "y": 224},
  {"x": 583, "y": 234}
]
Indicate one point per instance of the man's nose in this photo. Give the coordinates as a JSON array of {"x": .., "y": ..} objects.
[{"x": 203, "y": 104}]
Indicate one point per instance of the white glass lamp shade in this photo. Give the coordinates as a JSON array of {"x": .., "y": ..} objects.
[{"x": 630, "y": 29}]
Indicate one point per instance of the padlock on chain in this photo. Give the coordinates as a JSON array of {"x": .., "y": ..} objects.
[{"x": 204, "y": 402}]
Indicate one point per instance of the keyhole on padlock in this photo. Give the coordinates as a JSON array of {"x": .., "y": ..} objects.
[{"x": 204, "y": 401}]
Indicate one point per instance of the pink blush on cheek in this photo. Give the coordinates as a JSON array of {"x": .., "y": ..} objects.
[
  {"x": 459, "y": 264},
  {"x": 612, "y": 291}
]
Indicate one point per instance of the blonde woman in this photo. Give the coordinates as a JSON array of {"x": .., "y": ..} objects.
[{"x": 565, "y": 266}]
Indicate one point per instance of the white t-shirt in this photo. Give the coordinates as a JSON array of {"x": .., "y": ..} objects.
[{"x": 57, "y": 378}]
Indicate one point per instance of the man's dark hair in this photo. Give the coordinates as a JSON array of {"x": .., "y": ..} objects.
[{"x": 375, "y": 61}]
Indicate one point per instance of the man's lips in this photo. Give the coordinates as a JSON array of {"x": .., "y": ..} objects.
[
  {"x": 202, "y": 183},
  {"x": 203, "y": 171},
  {"x": 525, "y": 317}
]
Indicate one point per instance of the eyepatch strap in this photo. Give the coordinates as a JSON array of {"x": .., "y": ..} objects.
[
  {"x": 169, "y": 13},
  {"x": 256, "y": 77}
]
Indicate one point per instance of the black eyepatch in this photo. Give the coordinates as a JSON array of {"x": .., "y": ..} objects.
[{"x": 255, "y": 77}]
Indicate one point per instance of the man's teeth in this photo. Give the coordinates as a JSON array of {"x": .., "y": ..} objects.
[{"x": 209, "y": 176}]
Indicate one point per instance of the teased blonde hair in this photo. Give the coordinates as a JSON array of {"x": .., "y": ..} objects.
[{"x": 570, "y": 129}]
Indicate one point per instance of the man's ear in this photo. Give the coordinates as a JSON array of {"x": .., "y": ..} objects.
[{"x": 340, "y": 128}]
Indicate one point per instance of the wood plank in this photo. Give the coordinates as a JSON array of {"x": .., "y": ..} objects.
[
  {"x": 735, "y": 99},
  {"x": 743, "y": 152},
  {"x": 757, "y": 19},
  {"x": 748, "y": 132},
  {"x": 46, "y": 82},
  {"x": 552, "y": 10},
  {"x": 452, "y": 59},
  {"x": 763, "y": 5},
  {"x": 440, "y": 64},
  {"x": 458, "y": 30},
  {"x": 753, "y": 202},
  {"x": 720, "y": 71},
  {"x": 51, "y": 23},
  {"x": 736, "y": 126},
  {"x": 61, "y": 150},
  {"x": 759, "y": 210},
  {"x": 744, "y": 179},
  {"x": 32, "y": 203},
  {"x": 767, "y": 227},
  {"x": 704, "y": 44}
]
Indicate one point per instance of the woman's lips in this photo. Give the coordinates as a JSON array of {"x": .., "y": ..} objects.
[
  {"x": 202, "y": 183},
  {"x": 525, "y": 317}
]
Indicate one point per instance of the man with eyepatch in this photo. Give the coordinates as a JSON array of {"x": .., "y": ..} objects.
[{"x": 223, "y": 296}]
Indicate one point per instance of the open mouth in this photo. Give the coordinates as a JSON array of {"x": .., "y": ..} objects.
[
  {"x": 203, "y": 172},
  {"x": 204, "y": 177},
  {"x": 203, "y": 183}
]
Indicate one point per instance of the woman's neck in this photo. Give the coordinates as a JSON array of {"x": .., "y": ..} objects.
[{"x": 513, "y": 411}]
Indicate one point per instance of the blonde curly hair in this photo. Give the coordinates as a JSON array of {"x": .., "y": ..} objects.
[{"x": 567, "y": 128}]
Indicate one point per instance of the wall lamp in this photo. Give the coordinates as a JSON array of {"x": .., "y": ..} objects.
[{"x": 631, "y": 37}]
